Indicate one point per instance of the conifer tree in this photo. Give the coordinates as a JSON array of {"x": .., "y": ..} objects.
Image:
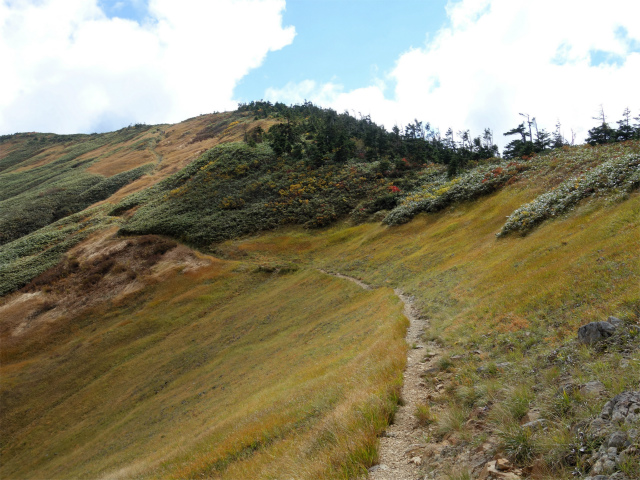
[{"x": 625, "y": 129}]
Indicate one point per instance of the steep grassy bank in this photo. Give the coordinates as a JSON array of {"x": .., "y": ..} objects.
[{"x": 222, "y": 370}]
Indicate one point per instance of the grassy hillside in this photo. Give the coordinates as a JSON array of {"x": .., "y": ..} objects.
[
  {"x": 208, "y": 367},
  {"x": 506, "y": 311},
  {"x": 124, "y": 354},
  {"x": 57, "y": 189}
]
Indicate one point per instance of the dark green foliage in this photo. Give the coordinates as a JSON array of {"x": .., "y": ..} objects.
[
  {"x": 604, "y": 133},
  {"x": 236, "y": 189},
  {"x": 323, "y": 136},
  {"x": 25, "y": 258},
  {"x": 59, "y": 196},
  {"x": 520, "y": 146}
]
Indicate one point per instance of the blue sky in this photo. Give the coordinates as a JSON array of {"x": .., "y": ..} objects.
[
  {"x": 351, "y": 43},
  {"x": 96, "y": 65}
]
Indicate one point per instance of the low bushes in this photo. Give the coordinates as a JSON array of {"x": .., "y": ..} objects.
[
  {"x": 621, "y": 173},
  {"x": 439, "y": 191}
]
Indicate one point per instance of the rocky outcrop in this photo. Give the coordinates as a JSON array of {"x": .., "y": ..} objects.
[
  {"x": 623, "y": 408},
  {"x": 617, "y": 425}
]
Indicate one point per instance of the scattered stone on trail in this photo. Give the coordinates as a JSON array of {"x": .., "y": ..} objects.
[
  {"x": 381, "y": 467},
  {"x": 593, "y": 388},
  {"x": 416, "y": 460},
  {"x": 595, "y": 331}
]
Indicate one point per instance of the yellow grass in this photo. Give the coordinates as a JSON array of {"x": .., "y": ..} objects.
[
  {"x": 219, "y": 372},
  {"x": 570, "y": 271}
]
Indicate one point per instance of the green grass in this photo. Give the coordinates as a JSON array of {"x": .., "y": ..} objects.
[{"x": 518, "y": 299}]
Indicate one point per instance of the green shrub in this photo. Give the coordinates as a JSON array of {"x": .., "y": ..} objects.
[
  {"x": 423, "y": 414},
  {"x": 439, "y": 191},
  {"x": 518, "y": 444},
  {"x": 234, "y": 189}
]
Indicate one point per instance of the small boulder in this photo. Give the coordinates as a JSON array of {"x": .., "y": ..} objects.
[
  {"x": 616, "y": 322},
  {"x": 593, "y": 388},
  {"x": 595, "y": 331},
  {"x": 618, "y": 440},
  {"x": 491, "y": 471},
  {"x": 503, "y": 465}
]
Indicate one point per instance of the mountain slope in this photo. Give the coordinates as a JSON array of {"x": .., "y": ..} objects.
[{"x": 125, "y": 354}]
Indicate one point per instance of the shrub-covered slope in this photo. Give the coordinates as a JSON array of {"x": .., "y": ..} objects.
[{"x": 235, "y": 190}]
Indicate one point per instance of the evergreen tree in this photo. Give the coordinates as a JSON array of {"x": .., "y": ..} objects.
[
  {"x": 603, "y": 133},
  {"x": 543, "y": 140},
  {"x": 558, "y": 140},
  {"x": 625, "y": 129},
  {"x": 519, "y": 147}
]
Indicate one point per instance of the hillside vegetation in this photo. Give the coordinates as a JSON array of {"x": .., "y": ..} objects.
[{"x": 165, "y": 313}]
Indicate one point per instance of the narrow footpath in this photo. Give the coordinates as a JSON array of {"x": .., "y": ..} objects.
[{"x": 402, "y": 439}]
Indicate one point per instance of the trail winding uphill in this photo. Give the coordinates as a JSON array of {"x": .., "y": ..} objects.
[{"x": 402, "y": 439}]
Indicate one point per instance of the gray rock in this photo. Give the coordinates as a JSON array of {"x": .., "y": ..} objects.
[
  {"x": 615, "y": 476},
  {"x": 614, "y": 321},
  {"x": 593, "y": 388},
  {"x": 623, "y": 408},
  {"x": 618, "y": 440},
  {"x": 535, "y": 424},
  {"x": 604, "y": 465},
  {"x": 595, "y": 331},
  {"x": 618, "y": 476}
]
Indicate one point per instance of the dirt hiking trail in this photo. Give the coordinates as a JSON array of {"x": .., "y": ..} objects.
[{"x": 398, "y": 459}]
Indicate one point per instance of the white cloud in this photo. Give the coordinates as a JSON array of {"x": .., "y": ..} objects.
[
  {"x": 497, "y": 58},
  {"x": 67, "y": 67}
]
